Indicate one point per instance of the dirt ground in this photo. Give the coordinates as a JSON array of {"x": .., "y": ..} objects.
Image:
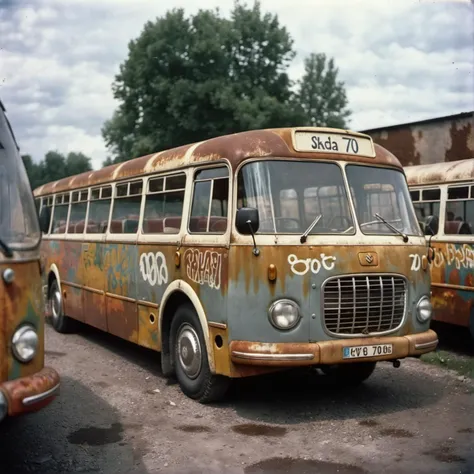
[{"x": 117, "y": 414}]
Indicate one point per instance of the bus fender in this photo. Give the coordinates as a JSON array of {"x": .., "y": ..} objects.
[
  {"x": 54, "y": 269},
  {"x": 183, "y": 287}
]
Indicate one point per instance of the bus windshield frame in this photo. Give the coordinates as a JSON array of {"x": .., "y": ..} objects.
[
  {"x": 19, "y": 224},
  {"x": 291, "y": 194}
]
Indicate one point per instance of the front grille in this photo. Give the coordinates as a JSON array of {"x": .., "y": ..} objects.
[{"x": 364, "y": 304}]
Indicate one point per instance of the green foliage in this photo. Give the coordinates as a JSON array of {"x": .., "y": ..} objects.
[
  {"x": 55, "y": 166},
  {"x": 190, "y": 78},
  {"x": 320, "y": 95}
]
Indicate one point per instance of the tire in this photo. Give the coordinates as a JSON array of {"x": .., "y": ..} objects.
[
  {"x": 190, "y": 359},
  {"x": 349, "y": 375},
  {"x": 60, "y": 322}
]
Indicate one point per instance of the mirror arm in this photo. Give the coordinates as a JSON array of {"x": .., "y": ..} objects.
[{"x": 255, "y": 250}]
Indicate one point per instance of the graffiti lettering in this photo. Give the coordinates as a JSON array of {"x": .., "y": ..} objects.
[
  {"x": 204, "y": 267},
  {"x": 153, "y": 268},
  {"x": 416, "y": 262},
  {"x": 458, "y": 256},
  {"x": 325, "y": 261}
]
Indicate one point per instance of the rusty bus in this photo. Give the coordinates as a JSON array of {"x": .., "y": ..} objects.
[
  {"x": 25, "y": 384},
  {"x": 244, "y": 254},
  {"x": 443, "y": 196}
]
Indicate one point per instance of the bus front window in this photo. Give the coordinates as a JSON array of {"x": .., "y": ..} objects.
[
  {"x": 290, "y": 195},
  {"x": 382, "y": 192},
  {"x": 19, "y": 227}
]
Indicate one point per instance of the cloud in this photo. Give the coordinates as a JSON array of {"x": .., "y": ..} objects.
[{"x": 400, "y": 61}]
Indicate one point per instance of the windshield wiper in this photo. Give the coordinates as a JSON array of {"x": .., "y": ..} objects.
[
  {"x": 390, "y": 226},
  {"x": 7, "y": 251},
  {"x": 309, "y": 229}
]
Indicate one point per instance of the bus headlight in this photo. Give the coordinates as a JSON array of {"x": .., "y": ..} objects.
[
  {"x": 424, "y": 309},
  {"x": 25, "y": 343},
  {"x": 284, "y": 314}
]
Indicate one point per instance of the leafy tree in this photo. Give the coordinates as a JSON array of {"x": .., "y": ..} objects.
[
  {"x": 190, "y": 78},
  {"x": 320, "y": 96},
  {"x": 55, "y": 166}
]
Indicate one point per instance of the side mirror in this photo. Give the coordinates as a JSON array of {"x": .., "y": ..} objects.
[
  {"x": 431, "y": 225},
  {"x": 44, "y": 219},
  {"x": 247, "y": 220}
]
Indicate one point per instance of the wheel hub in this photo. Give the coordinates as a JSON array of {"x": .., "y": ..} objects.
[
  {"x": 189, "y": 351},
  {"x": 56, "y": 304}
]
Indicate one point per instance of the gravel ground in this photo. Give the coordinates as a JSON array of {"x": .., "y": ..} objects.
[{"x": 117, "y": 414}]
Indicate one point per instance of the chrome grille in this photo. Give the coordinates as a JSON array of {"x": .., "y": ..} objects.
[{"x": 364, "y": 304}]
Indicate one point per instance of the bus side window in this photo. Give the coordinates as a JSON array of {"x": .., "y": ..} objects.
[
  {"x": 164, "y": 205},
  {"x": 426, "y": 203},
  {"x": 126, "y": 208},
  {"x": 61, "y": 208},
  {"x": 99, "y": 209},
  {"x": 210, "y": 201},
  {"x": 459, "y": 211},
  {"x": 77, "y": 215}
]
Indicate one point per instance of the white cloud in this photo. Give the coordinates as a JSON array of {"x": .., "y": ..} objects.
[{"x": 401, "y": 61}]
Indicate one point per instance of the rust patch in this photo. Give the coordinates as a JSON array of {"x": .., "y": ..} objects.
[
  {"x": 400, "y": 142},
  {"x": 460, "y": 140}
]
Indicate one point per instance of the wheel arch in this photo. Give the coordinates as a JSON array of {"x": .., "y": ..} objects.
[{"x": 179, "y": 292}]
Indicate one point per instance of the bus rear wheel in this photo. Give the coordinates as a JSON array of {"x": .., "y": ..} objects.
[
  {"x": 351, "y": 375},
  {"x": 191, "y": 361},
  {"x": 60, "y": 322}
]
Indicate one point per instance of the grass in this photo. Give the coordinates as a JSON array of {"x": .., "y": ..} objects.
[{"x": 462, "y": 364}]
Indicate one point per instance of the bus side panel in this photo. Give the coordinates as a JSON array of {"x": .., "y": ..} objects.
[
  {"x": 452, "y": 275},
  {"x": 121, "y": 269},
  {"x": 205, "y": 269},
  {"x": 94, "y": 285},
  {"x": 71, "y": 271},
  {"x": 156, "y": 270}
]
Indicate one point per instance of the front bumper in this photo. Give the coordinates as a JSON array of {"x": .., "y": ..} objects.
[
  {"x": 287, "y": 354},
  {"x": 30, "y": 393}
]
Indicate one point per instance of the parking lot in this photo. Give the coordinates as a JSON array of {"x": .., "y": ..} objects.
[{"x": 117, "y": 414}]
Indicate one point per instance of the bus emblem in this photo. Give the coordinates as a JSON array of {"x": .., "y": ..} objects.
[{"x": 369, "y": 258}]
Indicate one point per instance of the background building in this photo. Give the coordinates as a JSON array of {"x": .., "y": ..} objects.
[{"x": 435, "y": 140}]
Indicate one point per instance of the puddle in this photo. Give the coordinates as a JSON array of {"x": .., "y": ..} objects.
[
  {"x": 444, "y": 454},
  {"x": 466, "y": 430},
  {"x": 251, "y": 429},
  {"x": 55, "y": 353},
  {"x": 396, "y": 433},
  {"x": 194, "y": 428},
  {"x": 369, "y": 423},
  {"x": 301, "y": 466},
  {"x": 94, "y": 436}
]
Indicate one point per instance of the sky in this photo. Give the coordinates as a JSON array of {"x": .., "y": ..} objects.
[{"x": 401, "y": 61}]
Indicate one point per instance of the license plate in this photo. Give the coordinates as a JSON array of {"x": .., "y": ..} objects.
[{"x": 356, "y": 352}]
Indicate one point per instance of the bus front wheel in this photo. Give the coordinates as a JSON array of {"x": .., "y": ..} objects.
[
  {"x": 191, "y": 361},
  {"x": 60, "y": 322},
  {"x": 351, "y": 374}
]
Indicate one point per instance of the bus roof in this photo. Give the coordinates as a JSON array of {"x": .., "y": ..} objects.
[
  {"x": 234, "y": 148},
  {"x": 437, "y": 173}
]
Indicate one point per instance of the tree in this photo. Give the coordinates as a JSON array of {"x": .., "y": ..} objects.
[
  {"x": 320, "y": 96},
  {"x": 55, "y": 166},
  {"x": 187, "y": 79}
]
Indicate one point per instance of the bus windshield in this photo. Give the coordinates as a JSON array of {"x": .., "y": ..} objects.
[
  {"x": 19, "y": 227},
  {"x": 291, "y": 196},
  {"x": 381, "y": 192}
]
